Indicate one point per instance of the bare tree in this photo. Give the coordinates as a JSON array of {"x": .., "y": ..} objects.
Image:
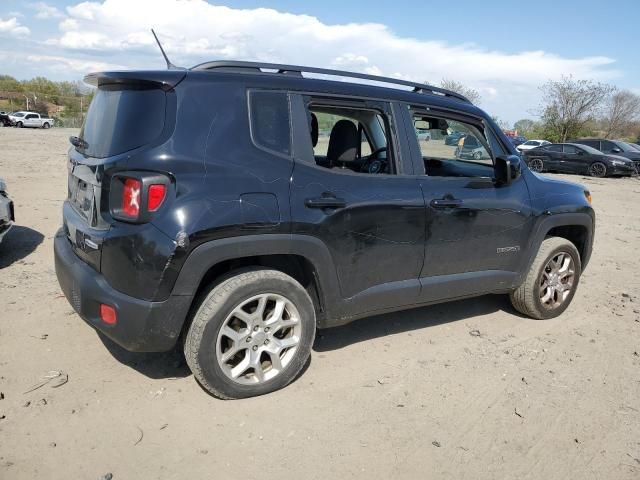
[
  {"x": 470, "y": 93},
  {"x": 568, "y": 104},
  {"x": 621, "y": 110}
]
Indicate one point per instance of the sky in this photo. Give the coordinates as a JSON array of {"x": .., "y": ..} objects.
[{"x": 500, "y": 48}]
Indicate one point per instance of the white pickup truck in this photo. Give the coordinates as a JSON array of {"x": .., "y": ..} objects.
[{"x": 30, "y": 119}]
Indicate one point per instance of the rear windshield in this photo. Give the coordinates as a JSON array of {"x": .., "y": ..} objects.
[{"x": 121, "y": 118}]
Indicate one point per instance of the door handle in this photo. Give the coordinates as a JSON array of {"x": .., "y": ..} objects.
[
  {"x": 446, "y": 203},
  {"x": 325, "y": 202}
]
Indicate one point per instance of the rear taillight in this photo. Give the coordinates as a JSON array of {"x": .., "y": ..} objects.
[
  {"x": 135, "y": 197},
  {"x": 131, "y": 194},
  {"x": 108, "y": 314},
  {"x": 156, "y": 197}
]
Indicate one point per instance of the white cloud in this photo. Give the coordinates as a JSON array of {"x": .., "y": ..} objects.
[
  {"x": 12, "y": 27},
  {"x": 194, "y": 31},
  {"x": 45, "y": 11}
]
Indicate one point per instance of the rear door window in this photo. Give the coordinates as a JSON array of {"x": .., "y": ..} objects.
[
  {"x": 121, "y": 118},
  {"x": 270, "y": 125}
]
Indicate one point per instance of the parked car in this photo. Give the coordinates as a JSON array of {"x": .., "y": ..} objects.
[
  {"x": 30, "y": 119},
  {"x": 222, "y": 222},
  {"x": 517, "y": 140},
  {"x": 529, "y": 144},
  {"x": 7, "y": 216},
  {"x": 4, "y": 119},
  {"x": 470, "y": 148},
  {"x": 453, "y": 138},
  {"x": 612, "y": 147},
  {"x": 580, "y": 159}
]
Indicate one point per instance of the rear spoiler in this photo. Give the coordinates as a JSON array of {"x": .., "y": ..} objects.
[{"x": 164, "y": 79}]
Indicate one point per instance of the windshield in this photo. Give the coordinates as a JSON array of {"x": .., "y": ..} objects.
[
  {"x": 627, "y": 147},
  {"x": 18, "y": 114},
  {"x": 635, "y": 146},
  {"x": 121, "y": 118},
  {"x": 532, "y": 142}
]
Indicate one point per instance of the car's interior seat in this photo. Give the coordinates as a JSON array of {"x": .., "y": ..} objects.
[{"x": 343, "y": 143}]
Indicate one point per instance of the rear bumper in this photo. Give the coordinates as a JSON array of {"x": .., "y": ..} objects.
[{"x": 142, "y": 326}]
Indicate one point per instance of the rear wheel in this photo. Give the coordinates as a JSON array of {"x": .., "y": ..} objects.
[
  {"x": 551, "y": 282},
  {"x": 536, "y": 165},
  {"x": 251, "y": 335},
  {"x": 598, "y": 169}
]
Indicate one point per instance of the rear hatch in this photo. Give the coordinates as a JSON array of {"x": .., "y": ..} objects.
[{"x": 126, "y": 114}]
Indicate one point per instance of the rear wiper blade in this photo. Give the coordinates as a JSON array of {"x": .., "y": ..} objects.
[{"x": 78, "y": 142}]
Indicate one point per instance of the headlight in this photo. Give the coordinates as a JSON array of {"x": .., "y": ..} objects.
[{"x": 617, "y": 163}]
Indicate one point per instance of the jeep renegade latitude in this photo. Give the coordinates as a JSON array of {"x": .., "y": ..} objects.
[{"x": 236, "y": 207}]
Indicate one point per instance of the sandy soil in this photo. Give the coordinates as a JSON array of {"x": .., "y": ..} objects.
[{"x": 408, "y": 395}]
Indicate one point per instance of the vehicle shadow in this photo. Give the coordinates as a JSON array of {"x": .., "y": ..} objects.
[
  {"x": 18, "y": 243},
  {"x": 171, "y": 364},
  {"x": 369, "y": 328}
]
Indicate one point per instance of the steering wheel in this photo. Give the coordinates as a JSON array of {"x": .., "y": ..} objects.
[{"x": 373, "y": 164}]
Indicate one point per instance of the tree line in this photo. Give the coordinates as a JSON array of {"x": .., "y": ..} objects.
[
  {"x": 574, "y": 108},
  {"x": 66, "y": 101}
]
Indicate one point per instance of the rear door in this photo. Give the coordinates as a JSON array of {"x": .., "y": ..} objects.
[
  {"x": 574, "y": 159},
  {"x": 476, "y": 230},
  {"x": 365, "y": 205}
]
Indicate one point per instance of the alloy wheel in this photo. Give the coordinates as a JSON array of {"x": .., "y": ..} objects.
[
  {"x": 557, "y": 280},
  {"x": 258, "y": 339},
  {"x": 536, "y": 165},
  {"x": 597, "y": 170}
]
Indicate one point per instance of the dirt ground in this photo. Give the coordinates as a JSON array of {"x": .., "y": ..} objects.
[{"x": 466, "y": 390}]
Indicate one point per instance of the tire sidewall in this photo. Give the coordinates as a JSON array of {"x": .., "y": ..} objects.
[
  {"x": 598, "y": 176},
  {"x": 206, "y": 355},
  {"x": 575, "y": 256}
]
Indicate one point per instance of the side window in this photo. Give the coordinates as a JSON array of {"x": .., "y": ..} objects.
[
  {"x": 350, "y": 139},
  {"x": 554, "y": 148},
  {"x": 270, "y": 125},
  {"x": 570, "y": 149},
  {"x": 607, "y": 147},
  {"x": 454, "y": 148},
  {"x": 30, "y": 116}
]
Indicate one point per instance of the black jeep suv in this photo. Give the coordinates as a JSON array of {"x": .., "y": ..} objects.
[{"x": 237, "y": 207}]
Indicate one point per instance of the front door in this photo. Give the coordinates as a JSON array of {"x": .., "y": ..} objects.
[
  {"x": 475, "y": 229},
  {"x": 351, "y": 189}
]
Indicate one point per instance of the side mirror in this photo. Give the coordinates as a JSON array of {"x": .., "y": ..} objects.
[
  {"x": 616, "y": 150},
  {"x": 507, "y": 169}
]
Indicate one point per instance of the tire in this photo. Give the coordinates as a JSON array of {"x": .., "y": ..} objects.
[
  {"x": 528, "y": 297},
  {"x": 598, "y": 170},
  {"x": 45, "y": 125},
  {"x": 209, "y": 349},
  {"x": 536, "y": 165},
  {"x": 19, "y": 124}
]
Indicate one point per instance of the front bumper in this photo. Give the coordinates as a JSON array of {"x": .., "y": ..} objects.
[
  {"x": 621, "y": 170},
  {"x": 142, "y": 326}
]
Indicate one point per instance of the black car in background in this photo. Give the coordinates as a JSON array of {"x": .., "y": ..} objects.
[
  {"x": 4, "y": 119},
  {"x": 612, "y": 147},
  {"x": 575, "y": 158}
]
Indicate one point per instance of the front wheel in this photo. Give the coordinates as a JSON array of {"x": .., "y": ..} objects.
[
  {"x": 251, "y": 335},
  {"x": 45, "y": 126},
  {"x": 536, "y": 165},
  {"x": 19, "y": 124},
  {"x": 551, "y": 281},
  {"x": 598, "y": 169}
]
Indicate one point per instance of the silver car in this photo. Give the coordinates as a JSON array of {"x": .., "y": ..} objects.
[{"x": 6, "y": 210}]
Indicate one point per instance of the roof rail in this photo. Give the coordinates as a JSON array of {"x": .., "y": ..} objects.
[{"x": 258, "y": 67}]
